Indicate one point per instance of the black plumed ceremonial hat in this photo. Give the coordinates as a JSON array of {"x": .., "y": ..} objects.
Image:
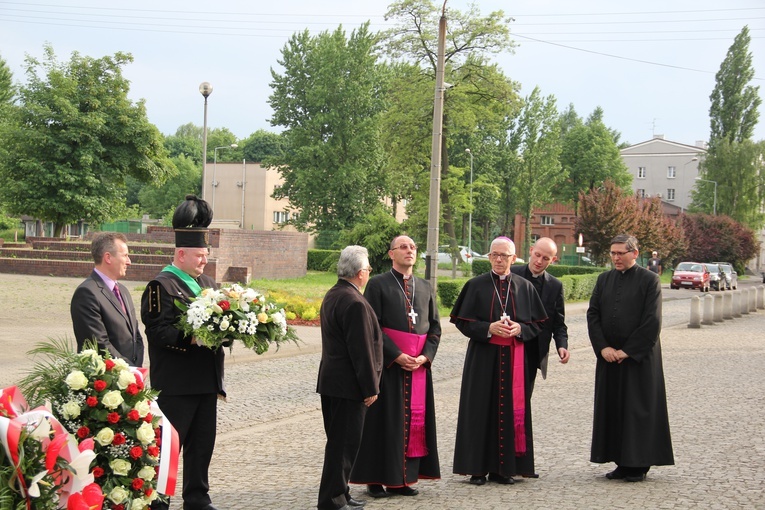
[{"x": 190, "y": 222}]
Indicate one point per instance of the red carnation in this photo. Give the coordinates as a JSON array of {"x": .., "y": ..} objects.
[
  {"x": 98, "y": 472},
  {"x": 148, "y": 418},
  {"x": 152, "y": 450},
  {"x": 149, "y": 491},
  {"x": 109, "y": 364},
  {"x": 83, "y": 432},
  {"x": 225, "y": 305},
  {"x": 137, "y": 484},
  {"x": 136, "y": 452},
  {"x": 119, "y": 438},
  {"x": 133, "y": 415},
  {"x": 99, "y": 385},
  {"x": 113, "y": 418},
  {"x": 132, "y": 389},
  {"x": 91, "y": 401}
]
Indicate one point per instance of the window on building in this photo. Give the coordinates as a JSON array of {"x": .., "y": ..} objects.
[
  {"x": 641, "y": 172},
  {"x": 671, "y": 172},
  {"x": 671, "y": 194},
  {"x": 547, "y": 220},
  {"x": 281, "y": 216},
  {"x": 641, "y": 193}
]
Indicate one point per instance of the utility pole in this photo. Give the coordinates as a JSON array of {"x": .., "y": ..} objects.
[{"x": 431, "y": 258}]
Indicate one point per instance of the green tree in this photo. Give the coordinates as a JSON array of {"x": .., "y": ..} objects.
[
  {"x": 7, "y": 89},
  {"x": 77, "y": 138},
  {"x": 475, "y": 108},
  {"x": 329, "y": 100},
  {"x": 590, "y": 156},
  {"x": 261, "y": 145},
  {"x": 222, "y": 137},
  {"x": 187, "y": 141},
  {"x": 158, "y": 200},
  {"x": 375, "y": 230},
  {"x": 536, "y": 137},
  {"x": 734, "y": 111},
  {"x": 738, "y": 168}
]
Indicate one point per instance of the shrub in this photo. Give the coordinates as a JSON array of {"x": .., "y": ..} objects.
[
  {"x": 449, "y": 290},
  {"x": 309, "y": 314},
  {"x": 481, "y": 266},
  {"x": 316, "y": 259}
]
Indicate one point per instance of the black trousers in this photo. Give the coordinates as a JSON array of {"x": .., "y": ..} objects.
[
  {"x": 343, "y": 424},
  {"x": 194, "y": 417}
]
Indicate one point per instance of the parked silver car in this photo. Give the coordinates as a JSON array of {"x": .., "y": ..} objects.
[
  {"x": 716, "y": 276},
  {"x": 731, "y": 276}
]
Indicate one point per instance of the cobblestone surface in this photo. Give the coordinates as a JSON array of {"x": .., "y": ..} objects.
[{"x": 270, "y": 442}]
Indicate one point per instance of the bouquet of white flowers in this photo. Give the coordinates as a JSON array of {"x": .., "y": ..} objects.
[{"x": 217, "y": 316}]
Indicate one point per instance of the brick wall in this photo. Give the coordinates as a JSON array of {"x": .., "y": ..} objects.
[
  {"x": 81, "y": 269},
  {"x": 269, "y": 254}
]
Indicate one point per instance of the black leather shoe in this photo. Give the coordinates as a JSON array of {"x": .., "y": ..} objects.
[
  {"x": 377, "y": 491},
  {"x": 403, "y": 491},
  {"x": 532, "y": 475},
  {"x": 616, "y": 474},
  {"x": 504, "y": 480},
  {"x": 356, "y": 503},
  {"x": 639, "y": 477},
  {"x": 477, "y": 480},
  {"x": 208, "y": 507}
]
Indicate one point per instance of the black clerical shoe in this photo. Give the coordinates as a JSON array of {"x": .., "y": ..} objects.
[
  {"x": 532, "y": 475},
  {"x": 403, "y": 491},
  {"x": 356, "y": 503},
  {"x": 635, "y": 477},
  {"x": 617, "y": 474},
  {"x": 504, "y": 480},
  {"x": 377, "y": 491},
  {"x": 477, "y": 480},
  {"x": 208, "y": 507}
]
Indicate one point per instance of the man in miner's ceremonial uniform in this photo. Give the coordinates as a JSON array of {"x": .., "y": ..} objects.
[{"x": 189, "y": 376}]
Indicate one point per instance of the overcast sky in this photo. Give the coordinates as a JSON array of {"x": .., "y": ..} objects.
[{"x": 650, "y": 65}]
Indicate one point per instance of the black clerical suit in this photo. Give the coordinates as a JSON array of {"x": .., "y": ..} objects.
[
  {"x": 349, "y": 372},
  {"x": 97, "y": 314},
  {"x": 382, "y": 456},
  {"x": 485, "y": 440},
  {"x": 630, "y": 421},
  {"x": 550, "y": 291},
  {"x": 190, "y": 378}
]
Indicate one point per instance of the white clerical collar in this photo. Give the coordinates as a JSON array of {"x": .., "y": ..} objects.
[
  {"x": 501, "y": 276},
  {"x": 537, "y": 275}
]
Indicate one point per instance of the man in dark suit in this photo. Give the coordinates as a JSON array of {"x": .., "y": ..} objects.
[
  {"x": 550, "y": 290},
  {"x": 349, "y": 374},
  {"x": 101, "y": 307},
  {"x": 189, "y": 376}
]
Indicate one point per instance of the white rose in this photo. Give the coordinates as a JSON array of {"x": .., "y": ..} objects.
[
  {"x": 95, "y": 358},
  {"x": 120, "y": 364},
  {"x": 146, "y": 473},
  {"x": 126, "y": 378},
  {"x": 112, "y": 399},
  {"x": 105, "y": 436},
  {"x": 118, "y": 495},
  {"x": 76, "y": 380},
  {"x": 138, "y": 504},
  {"x": 145, "y": 433},
  {"x": 120, "y": 467},
  {"x": 224, "y": 325},
  {"x": 70, "y": 410},
  {"x": 143, "y": 407}
]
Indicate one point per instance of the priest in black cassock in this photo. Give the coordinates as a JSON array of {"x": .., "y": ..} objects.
[
  {"x": 630, "y": 423},
  {"x": 399, "y": 442},
  {"x": 499, "y": 313}
]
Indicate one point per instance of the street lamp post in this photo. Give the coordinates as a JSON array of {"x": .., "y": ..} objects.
[
  {"x": 205, "y": 89},
  {"x": 714, "y": 205},
  {"x": 685, "y": 198},
  {"x": 470, "y": 212},
  {"x": 215, "y": 168}
]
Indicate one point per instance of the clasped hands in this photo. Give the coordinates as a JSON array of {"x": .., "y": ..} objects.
[
  {"x": 611, "y": 355},
  {"x": 410, "y": 363},
  {"x": 505, "y": 328}
]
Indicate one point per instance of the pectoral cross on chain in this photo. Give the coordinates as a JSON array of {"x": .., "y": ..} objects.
[
  {"x": 505, "y": 318},
  {"x": 413, "y": 315}
]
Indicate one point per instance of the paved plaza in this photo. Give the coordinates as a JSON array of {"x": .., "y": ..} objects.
[{"x": 270, "y": 442}]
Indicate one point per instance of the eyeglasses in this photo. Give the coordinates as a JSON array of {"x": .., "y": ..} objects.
[
  {"x": 367, "y": 269},
  {"x": 412, "y": 247},
  {"x": 500, "y": 256},
  {"x": 620, "y": 253}
]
